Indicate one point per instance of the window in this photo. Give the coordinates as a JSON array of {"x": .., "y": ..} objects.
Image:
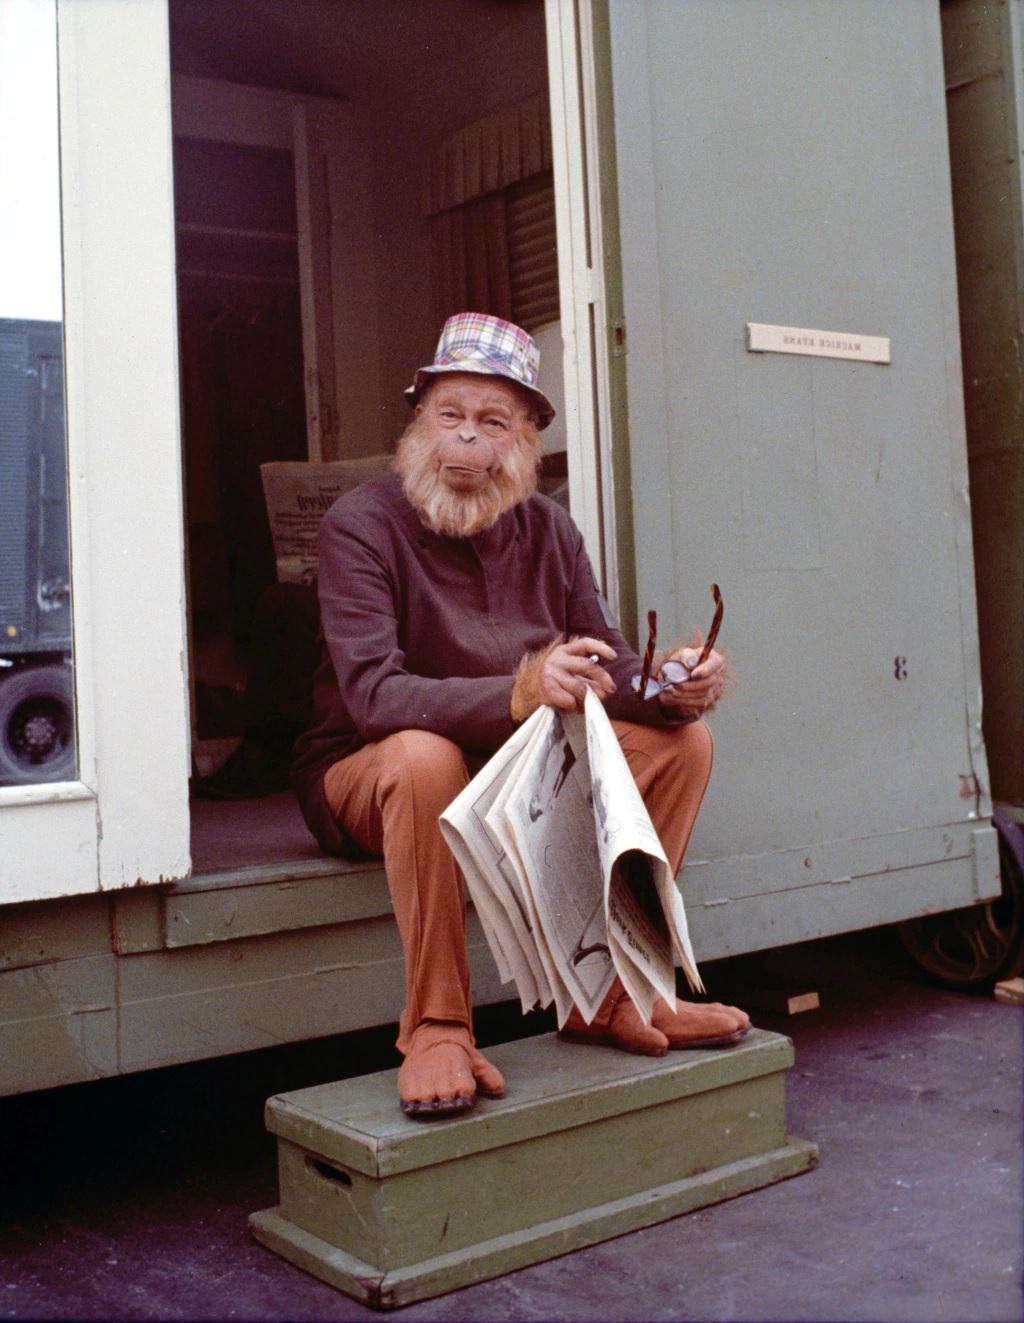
[
  {"x": 37, "y": 728},
  {"x": 119, "y": 816}
]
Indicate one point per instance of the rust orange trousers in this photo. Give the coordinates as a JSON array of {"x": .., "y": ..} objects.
[{"x": 388, "y": 797}]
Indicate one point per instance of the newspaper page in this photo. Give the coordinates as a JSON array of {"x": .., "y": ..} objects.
[
  {"x": 548, "y": 813},
  {"x": 491, "y": 878},
  {"x": 298, "y": 495},
  {"x": 566, "y": 870},
  {"x": 497, "y": 824},
  {"x": 646, "y": 919}
]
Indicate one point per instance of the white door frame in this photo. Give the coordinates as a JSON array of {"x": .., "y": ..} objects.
[{"x": 575, "y": 146}]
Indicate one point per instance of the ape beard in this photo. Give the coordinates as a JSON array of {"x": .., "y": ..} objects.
[{"x": 461, "y": 514}]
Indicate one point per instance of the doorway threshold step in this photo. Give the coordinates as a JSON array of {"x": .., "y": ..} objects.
[{"x": 587, "y": 1144}]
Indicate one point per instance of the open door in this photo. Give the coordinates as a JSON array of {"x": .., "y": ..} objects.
[{"x": 818, "y": 476}]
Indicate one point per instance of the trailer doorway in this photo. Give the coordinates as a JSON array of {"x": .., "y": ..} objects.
[{"x": 346, "y": 176}]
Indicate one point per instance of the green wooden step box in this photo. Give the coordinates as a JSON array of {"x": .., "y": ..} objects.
[{"x": 589, "y": 1143}]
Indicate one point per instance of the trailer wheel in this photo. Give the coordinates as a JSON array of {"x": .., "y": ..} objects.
[
  {"x": 974, "y": 948},
  {"x": 37, "y": 725}
]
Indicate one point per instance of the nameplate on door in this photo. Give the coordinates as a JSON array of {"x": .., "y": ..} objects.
[{"x": 763, "y": 339}]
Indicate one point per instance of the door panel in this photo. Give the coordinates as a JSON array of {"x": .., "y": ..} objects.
[{"x": 787, "y": 164}]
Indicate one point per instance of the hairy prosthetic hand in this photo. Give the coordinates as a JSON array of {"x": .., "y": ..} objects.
[
  {"x": 706, "y": 685},
  {"x": 559, "y": 676}
]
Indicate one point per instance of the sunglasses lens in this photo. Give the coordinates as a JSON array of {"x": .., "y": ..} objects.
[
  {"x": 653, "y": 689},
  {"x": 674, "y": 672}
]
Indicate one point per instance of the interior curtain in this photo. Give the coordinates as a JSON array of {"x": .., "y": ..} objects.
[
  {"x": 490, "y": 154},
  {"x": 465, "y": 199},
  {"x": 471, "y": 260}
]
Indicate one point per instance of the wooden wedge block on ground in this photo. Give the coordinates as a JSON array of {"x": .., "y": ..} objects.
[
  {"x": 589, "y": 1143},
  {"x": 778, "y": 1000},
  {"x": 1010, "y": 991},
  {"x": 775, "y": 998}
]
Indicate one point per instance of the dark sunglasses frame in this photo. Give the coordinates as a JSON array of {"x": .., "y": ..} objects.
[{"x": 674, "y": 672}]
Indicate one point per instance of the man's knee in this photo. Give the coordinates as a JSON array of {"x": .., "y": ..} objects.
[
  {"x": 650, "y": 748},
  {"x": 422, "y": 762},
  {"x": 697, "y": 745}
]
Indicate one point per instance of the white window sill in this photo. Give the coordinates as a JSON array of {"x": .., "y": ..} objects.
[{"x": 47, "y": 792}]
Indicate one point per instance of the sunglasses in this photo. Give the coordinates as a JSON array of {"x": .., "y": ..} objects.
[{"x": 674, "y": 672}]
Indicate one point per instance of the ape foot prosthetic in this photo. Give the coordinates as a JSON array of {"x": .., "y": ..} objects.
[
  {"x": 699, "y": 1024},
  {"x": 443, "y": 1073},
  {"x": 686, "y": 1025}
]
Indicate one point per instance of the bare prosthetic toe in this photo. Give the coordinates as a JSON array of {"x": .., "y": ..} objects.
[
  {"x": 693, "y": 1024},
  {"x": 616, "y": 1024},
  {"x": 443, "y": 1072}
]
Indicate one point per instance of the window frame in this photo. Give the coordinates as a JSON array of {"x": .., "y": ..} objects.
[{"x": 124, "y": 821}]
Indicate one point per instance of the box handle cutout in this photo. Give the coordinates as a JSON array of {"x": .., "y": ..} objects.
[{"x": 328, "y": 1172}]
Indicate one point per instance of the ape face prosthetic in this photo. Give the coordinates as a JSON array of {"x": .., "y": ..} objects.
[{"x": 471, "y": 453}]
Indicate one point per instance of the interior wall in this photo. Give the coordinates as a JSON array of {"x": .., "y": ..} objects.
[
  {"x": 502, "y": 68},
  {"x": 415, "y": 70},
  {"x": 402, "y": 257}
]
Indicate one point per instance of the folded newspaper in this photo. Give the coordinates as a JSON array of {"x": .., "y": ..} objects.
[
  {"x": 298, "y": 495},
  {"x": 566, "y": 871}
]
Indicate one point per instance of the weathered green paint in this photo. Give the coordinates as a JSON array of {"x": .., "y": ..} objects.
[
  {"x": 827, "y": 498},
  {"x": 43, "y": 932},
  {"x": 984, "y": 59},
  {"x": 358, "y": 1124},
  {"x": 262, "y": 991},
  {"x": 613, "y": 338},
  {"x": 93, "y": 1016},
  {"x": 243, "y": 966},
  {"x": 836, "y": 907},
  {"x": 137, "y": 921},
  {"x": 253, "y": 875},
  {"x": 247, "y": 906},
  {"x": 537, "y": 1244},
  {"x": 831, "y": 862},
  {"x": 59, "y": 1023},
  {"x": 727, "y": 194},
  {"x": 588, "y": 1144},
  {"x": 760, "y": 901},
  {"x": 470, "y": 1197}
]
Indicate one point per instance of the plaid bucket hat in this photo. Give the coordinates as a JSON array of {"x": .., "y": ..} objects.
[{"x": 477, "y": 342}]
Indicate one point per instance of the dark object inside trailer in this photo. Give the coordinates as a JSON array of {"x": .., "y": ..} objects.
[{"x": 37, "y": 735}]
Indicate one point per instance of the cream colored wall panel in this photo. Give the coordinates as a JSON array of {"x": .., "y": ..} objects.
[{"x": 49, "y": 848}]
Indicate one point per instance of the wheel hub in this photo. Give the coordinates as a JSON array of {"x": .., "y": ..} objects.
[{"x": 38, "y": 736}]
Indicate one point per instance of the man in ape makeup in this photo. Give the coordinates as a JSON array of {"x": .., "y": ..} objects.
[{"x": 454, "y": 601}]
